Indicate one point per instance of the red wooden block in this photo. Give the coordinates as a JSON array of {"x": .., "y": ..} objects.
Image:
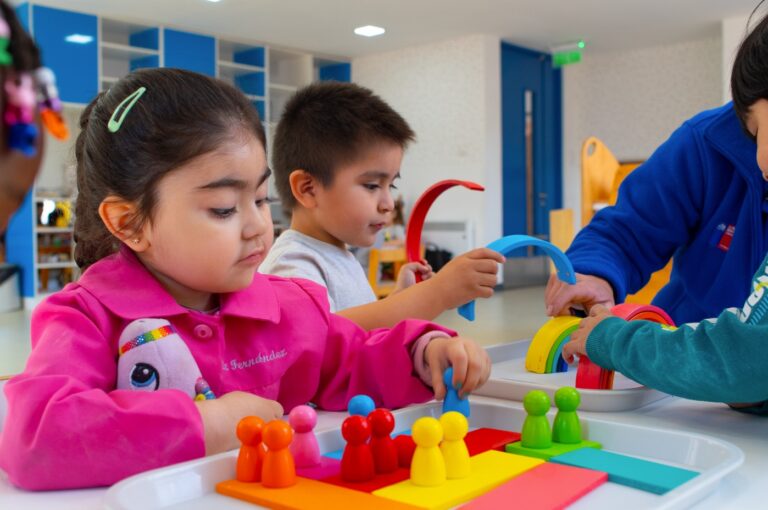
[
  {"x": 378, "y": 482},
  {"x": 482, "y": 440},
  {"x": 545, "y": 487}
]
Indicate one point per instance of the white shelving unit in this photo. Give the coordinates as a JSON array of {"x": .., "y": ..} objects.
[{"x": 125, "y": 47}]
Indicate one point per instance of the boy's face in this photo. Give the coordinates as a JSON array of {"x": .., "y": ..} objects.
[
  {"x": 358, "y": 203},
  {"x": 757, "y": 124},
  {"x": 211, "y": 227}
]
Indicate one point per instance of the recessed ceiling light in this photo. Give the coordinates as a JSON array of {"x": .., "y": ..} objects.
[
  {"x": 79, "y": 38},
  {"x": 214, "y": 1},
  {"x": 369, "y": 31}
]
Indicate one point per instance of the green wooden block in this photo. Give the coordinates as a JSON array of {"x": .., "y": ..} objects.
[{"x": 553, "y": 451}]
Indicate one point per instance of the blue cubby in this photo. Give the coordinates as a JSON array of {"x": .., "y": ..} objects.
[
  {"x": 251, "y": 57},
  {"x": 69, "y": 42},
  {"x": 194, "y": 52},
  {"x": 261, "y": 108},
  {"x": 148, "y": 39},
  {"x": 336, "y": 72},
  {"x": 252, "y": 84}
]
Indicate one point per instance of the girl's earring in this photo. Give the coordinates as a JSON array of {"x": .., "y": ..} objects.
[{"x": 136, "y": 241}]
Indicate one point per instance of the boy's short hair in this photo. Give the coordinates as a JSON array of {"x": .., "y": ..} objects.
[
  {"x": 749, "y": 76},
  {"x": 326, "y": 125}
]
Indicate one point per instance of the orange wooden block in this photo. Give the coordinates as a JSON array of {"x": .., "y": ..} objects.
[{"x": 308, "y": 494}]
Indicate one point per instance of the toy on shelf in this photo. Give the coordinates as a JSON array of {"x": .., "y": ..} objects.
[
  {"x": 452, "y": 401},
  {"x": 593, "y": 377},
  {"x": 508, "y": 244},
  {"x": 541, "y": 441},
  {"x": 419, "y": 214},
  {"x": 544, "y": 355}
]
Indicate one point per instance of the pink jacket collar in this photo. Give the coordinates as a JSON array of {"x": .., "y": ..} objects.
[{"x": 122, "y": 284}]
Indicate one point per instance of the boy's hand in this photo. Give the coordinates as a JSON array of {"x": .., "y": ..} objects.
[
  {"x": 578, "y": 342},
  {"x": 588, "y": 291},
  {"x": 221, "y": 415},
  {"x": 407, "y": 275},
  {"x": 471, "y": 364},
  {"x": 469, "y": 276}
]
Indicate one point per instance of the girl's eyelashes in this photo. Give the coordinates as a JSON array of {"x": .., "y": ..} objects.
[
  {"x": 223, "y": 213},
  {"x": 392, "y": 186},
  {"x": 371, "y": 186}
]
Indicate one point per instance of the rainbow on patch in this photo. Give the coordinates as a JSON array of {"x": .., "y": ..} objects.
[{"x": 149, "y": 336}]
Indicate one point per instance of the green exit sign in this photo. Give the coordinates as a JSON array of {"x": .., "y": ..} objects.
[{"x": 563, "y": 58}]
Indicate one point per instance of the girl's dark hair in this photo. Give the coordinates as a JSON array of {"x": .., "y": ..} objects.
[
  {"x": 182, "y": 115},
  {"x": 749, "y": 77},
  {"x": 26, "y": 56}
]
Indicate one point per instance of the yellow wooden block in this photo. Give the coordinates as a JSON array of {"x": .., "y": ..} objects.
[
  {"x": 489, "y": 470},
  {"x": 307, "y": 495}
]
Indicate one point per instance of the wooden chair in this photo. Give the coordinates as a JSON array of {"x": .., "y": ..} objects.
[{"x": 598, "y": 169}]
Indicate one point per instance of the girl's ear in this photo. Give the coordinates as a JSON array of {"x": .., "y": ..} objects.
[
  {"x": 304, "y": 188},
  {"x": 117, "y": 215}
]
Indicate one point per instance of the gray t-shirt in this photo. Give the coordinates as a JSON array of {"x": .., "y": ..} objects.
[{"x": 295, "y": 255}]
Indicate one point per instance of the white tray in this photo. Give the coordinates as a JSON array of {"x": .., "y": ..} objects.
[
  {"x": 191, "y": 485},
  {"x": 511, "y": 381}
]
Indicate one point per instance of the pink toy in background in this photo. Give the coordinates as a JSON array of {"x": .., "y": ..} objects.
[
  {"x": 304, "y": 448},
  {"x": 154, "y": 357}
]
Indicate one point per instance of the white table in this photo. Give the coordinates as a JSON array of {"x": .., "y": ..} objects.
[{"x": 742, "y": 489}]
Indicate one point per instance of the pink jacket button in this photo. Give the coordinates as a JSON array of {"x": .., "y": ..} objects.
[{"x": 203, "y": 331}]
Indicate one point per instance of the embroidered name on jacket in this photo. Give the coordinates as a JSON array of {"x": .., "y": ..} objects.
[{"x": 235, "y": 364}]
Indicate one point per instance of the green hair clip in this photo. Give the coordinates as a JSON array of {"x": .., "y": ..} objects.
[{"x": 123, "y": 109}]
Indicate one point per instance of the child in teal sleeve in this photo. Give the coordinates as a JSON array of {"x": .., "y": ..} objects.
[{"x": 718, "y": 360}]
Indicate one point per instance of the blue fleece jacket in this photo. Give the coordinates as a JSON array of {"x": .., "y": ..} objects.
[{"x": 698, "y": 198}]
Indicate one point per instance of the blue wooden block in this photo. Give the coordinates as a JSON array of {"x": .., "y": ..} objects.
[{"x": 631, "y": 471}]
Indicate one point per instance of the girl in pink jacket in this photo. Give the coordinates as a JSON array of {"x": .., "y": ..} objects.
[{"x": 170, "y": 336}]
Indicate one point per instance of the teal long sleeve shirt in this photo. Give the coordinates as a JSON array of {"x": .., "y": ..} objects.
[{"x": 718, "y": 360}]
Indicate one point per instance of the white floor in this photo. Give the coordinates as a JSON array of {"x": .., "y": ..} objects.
[{"x": 508, "y": 315}]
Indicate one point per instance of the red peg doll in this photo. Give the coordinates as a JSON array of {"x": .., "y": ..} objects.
[
  {"x": 382, "y": 445},
  {"x": 357, "y": 460}
]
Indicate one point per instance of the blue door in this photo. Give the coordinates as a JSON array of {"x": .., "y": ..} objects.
[{"x": 531, "y": 104}]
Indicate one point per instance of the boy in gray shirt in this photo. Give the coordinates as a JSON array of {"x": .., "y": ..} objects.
[{"x": 337, "y": 153}]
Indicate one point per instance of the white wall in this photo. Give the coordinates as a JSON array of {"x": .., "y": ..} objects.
[
  {"x": 633, "y": 101},
  {"x": 733, "y": 31},
  {"x": 449, "y": 92}
]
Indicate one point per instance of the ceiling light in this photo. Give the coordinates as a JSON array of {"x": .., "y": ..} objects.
[
  {"x": 214, "y": 1},
  {"x": 79, "y": 38},
  {"x": 369, "y": 31}
]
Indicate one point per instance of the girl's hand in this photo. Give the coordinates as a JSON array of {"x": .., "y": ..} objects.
[
  {"x": 587, "y": 292},
  {"x": 578, "y": 341},
  {"x": 407, "y": 275},
  {"x": 221, "y": 415},
  {"x": 469, "y": 276},
  {"x": 471, "y": 364}
]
